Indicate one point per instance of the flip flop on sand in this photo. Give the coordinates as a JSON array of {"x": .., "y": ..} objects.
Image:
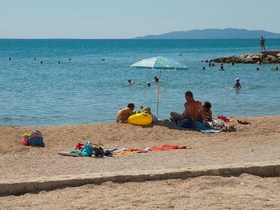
[{"x": 243, "y": 122}]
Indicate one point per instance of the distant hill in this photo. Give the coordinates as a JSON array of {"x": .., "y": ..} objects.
[{"x": 228, "y": 33}]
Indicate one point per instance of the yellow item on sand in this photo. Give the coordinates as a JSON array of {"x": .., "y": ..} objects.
[{"x": 140, "y": 119}]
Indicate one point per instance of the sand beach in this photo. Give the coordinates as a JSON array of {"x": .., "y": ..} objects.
[{"x": 255, "y": 143}]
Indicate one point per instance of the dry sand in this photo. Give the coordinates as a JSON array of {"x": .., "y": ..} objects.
[{"x": 256, "y": 142}]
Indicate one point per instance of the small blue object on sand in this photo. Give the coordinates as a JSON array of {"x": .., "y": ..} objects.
[{"x": 187, "y": 123}]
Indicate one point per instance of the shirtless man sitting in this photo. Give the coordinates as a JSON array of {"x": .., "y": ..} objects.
[
  {"x": 123, "y": 114},
  {"x": 193, "y": 108}
]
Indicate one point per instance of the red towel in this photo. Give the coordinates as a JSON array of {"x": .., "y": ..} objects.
[{"x": 167, "y": 147}]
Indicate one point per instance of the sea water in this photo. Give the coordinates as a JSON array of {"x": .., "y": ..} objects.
[{"x": 58, "y": 82}]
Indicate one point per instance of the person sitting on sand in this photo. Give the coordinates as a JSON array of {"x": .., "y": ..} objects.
[
  {"x": 213, "y": 124},
  {"x": 124, "y": 113},
  {"x": 206, "y": 112},
  {"x": 237, "y": 84},
  {"x": 193, "y": 108}
]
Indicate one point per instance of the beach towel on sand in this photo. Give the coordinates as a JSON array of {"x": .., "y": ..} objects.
[
  {"x": 187, "y": 123},
  {"x": 167, "y": 147},
  {"x": 204, "y": 128}
]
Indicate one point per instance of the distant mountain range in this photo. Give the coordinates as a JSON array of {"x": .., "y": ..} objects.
[{"x": 227, "y": 33}]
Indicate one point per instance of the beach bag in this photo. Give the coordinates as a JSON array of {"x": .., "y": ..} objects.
[
  {"x": 88, "y": 149},
  {"x": 36, "y": 139}
]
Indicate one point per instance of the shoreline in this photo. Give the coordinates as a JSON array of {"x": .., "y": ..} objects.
[{"x": 113, "y": 122}]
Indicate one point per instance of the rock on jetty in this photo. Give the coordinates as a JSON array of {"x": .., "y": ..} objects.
[{"x": 271, "y": 56}]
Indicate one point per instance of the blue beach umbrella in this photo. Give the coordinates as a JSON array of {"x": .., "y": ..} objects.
[{"x": 158, "y": 63}]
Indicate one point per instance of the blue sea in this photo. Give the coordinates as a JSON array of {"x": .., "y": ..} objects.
[{"x": 85, "y": 81}]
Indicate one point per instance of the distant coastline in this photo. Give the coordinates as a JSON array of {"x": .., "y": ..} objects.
[{"x": 228, "y": 33}]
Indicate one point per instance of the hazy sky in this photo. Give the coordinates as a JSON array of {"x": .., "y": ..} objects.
[{"x": 131, "y": 18}]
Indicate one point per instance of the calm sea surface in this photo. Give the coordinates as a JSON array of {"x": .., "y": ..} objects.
[{"x": 89, "y": 84}]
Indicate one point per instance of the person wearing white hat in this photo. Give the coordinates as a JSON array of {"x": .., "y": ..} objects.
[{"x": 237, "y": 84}]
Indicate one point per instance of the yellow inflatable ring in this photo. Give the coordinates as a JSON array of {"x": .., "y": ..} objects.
[{"x": 140, "y": 119}]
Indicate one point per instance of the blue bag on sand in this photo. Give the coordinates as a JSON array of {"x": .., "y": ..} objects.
[
  {"x": 87, "y": 150},
  {"x": 36, "y": 139}
]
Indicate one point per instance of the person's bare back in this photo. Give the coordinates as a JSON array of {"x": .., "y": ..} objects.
[
  {"x": 192, "y": 109},
  {"x": 124, "y": 113}
]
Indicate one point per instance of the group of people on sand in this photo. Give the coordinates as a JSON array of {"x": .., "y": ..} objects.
[
  {"x": 194, "y": 111},
  {"x": 148, "y": 84}
]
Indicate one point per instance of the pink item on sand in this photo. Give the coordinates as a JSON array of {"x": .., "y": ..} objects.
[
  {"x": 224, "y": 118},
  {"x": 79, "y": 146}
]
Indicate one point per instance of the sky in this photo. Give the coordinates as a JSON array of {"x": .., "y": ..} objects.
[{"x": 117, "y": 19}]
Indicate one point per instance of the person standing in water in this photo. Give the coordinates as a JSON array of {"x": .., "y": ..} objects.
[
  {"x": 222, "y": 67},
  {"x": 237, "y": 84}
]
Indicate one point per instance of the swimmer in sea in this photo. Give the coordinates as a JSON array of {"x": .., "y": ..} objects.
[
  {"x": 156, "y": 79},
  {"x": 237, "y": 84}
]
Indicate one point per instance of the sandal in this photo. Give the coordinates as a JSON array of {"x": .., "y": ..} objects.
[{"x": 243, "y": 122}]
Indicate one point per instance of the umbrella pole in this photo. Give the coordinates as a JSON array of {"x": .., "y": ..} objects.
[
  {"x": 157, "y": 99},
  {"x": 158, "y": 87}
]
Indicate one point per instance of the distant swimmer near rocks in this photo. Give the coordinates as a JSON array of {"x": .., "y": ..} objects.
[{"x": 265, "y": 57}]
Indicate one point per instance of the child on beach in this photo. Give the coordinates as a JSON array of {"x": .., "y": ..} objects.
[
  {"x": 206, "y": 111},
  {"x": 237, "y": 84},
  {"x": 124, "y": 113},
  {"x": 213, "y": 124}
]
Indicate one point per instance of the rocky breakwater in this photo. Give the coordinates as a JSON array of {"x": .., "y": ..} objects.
[{"x": 271, "y": 56}]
